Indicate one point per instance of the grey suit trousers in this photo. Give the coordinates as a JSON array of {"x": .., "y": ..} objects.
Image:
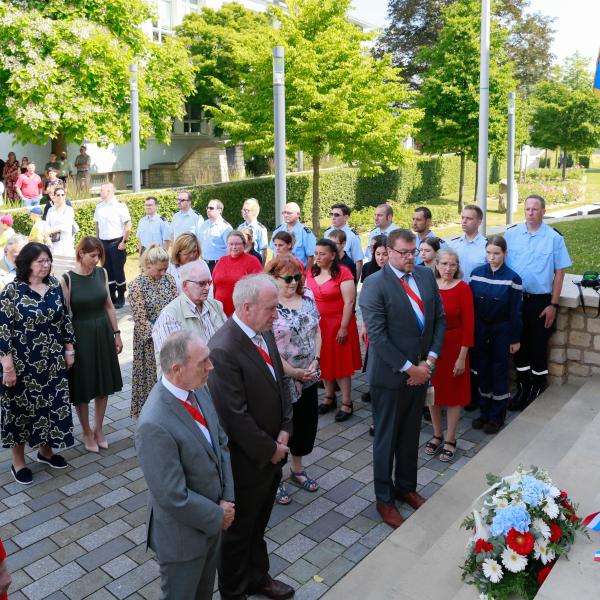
[
  {"x": 397, "y": 418},
  {"x": 193, "y": 579}
]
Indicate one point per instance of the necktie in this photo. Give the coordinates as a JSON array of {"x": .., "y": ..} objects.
[
  {"x": 192, "y": 407},
  {"x": 416, "y": 301},
  {"x": 261, "y": 346}
]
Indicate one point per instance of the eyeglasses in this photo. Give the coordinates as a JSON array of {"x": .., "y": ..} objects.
[
  {"x": 183, "y": 200},
  {"x": 289, "y": 278},
  {"x": 43, "y": 261},
  {"x": 405, "y": 253},
  {"x": 212, "y": 208},
  {"x": 205, "y": 283},
  {"x": 336, "y": 215}
]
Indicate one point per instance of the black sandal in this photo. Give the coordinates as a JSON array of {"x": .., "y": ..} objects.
[
  {"x": 432, "y": 449},
  {"x": 447, "y": 455},
  {"x": 325, "y": 407},
  {"x": 342, "y": 415}
]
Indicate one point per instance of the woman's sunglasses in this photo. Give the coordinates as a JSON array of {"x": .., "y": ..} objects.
[{"x": 289, "y": 278}]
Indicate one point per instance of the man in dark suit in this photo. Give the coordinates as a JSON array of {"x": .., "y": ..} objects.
[
  {"x": 183, "y": 453},
  {"x": 403, "y": 312},
  {"x": 255, "y": 410}
]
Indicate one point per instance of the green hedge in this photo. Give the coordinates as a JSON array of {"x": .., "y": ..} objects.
[{"x": 420, "y": 180}]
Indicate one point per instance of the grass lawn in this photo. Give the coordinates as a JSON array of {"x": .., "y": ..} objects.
[{"x": 581, "y": 238}]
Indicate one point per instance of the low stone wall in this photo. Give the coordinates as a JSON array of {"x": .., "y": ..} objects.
[{"x": 575, "y": 345}]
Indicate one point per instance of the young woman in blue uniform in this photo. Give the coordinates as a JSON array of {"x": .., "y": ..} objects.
[{"x": 498, "y": 299}]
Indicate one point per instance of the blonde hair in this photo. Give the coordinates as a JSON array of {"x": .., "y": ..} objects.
[
  {"x": 186, "y": 242},
  {"x": 152, "y": 255}
]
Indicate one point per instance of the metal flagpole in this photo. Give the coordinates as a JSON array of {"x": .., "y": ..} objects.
[
  {"x": 510, "y": 202},
  {"x": 279, "y": 118},
  {"x": 135, "y": 129},
  {"x": 484, "y": 105}
]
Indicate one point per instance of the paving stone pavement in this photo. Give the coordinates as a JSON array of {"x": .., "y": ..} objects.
[{"x": 79, "y": 532}]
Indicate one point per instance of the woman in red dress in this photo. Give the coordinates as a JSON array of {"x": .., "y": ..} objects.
[
  {"x": 5, "y": 578},
  {"x": 451, "y": 379},
  {"x": 333, "y": 287},
  {"x": 231, "y": 268}
]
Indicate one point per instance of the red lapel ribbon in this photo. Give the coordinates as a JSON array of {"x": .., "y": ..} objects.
[
  {"x": 412, "y": 295},
  {"x": 264, "y": 355},
  {"x": 195, "y": 413}
]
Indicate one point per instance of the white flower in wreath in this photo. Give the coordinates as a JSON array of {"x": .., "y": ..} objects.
[
  {"x": 541, "y": 527},
  {"x": 550, "y": 507},
  {"x": 500, "y": 501},
  {"x": 543, "y": 552},
  {"x": 483, "y": 597},
  {"x": 513, "y": 561},
  {"x": 492, "y": 570},
  {"x": 553, "y": 492}
]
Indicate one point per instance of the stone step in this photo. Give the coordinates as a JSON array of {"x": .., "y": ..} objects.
[{"x": 431, "y": 541}]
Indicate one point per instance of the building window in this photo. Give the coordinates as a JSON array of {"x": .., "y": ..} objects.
[
  {"x": 192, "y": 122},
  {"x": 164, "y": 25},
  {"x": 189, "y": 6}
]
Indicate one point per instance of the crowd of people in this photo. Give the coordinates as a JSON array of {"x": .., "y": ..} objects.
[{"x": 229, "y": 350}]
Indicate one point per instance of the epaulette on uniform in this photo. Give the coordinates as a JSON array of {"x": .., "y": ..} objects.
[
  {"x": 511, "y": 226},
  {"x": 456, "y": 238},
  {"x": 354, "y": 231},
  {"x": 307, "y": 229},
  {"x": 557, "y": 231}
]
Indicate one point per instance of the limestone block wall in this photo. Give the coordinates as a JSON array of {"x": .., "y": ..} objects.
[{"x": 575, "y": 345}]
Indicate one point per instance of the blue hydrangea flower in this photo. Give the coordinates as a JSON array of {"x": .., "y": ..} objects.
[
  {"x": 533, "y": 490},
  {"x": 511, "y": 517}
]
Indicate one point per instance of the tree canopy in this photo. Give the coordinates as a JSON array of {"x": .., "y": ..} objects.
[
  {"x": 64, "y": 70},
  {"x": 449, "y": 93},
  {"x": 416, "y": 24},
  {"x": 339, "y": 98},
  {"x": 565, "y": 111}
]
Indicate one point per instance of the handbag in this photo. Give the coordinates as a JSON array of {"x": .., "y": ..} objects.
[
  {"x": 55, "y": 237},
  {"x": 67, "y": 280}
]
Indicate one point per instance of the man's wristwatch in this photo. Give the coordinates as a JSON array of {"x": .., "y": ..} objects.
[{"x": 555, "y": 305}]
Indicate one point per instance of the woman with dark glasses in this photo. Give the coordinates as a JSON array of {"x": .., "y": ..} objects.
[{"x": 298, "y": 339}]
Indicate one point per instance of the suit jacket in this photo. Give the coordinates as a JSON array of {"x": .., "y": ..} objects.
[
  {"x": 186, "y": 476},
  {"x": 392, "y": 327},
  {"x": 253, "y": 406}
]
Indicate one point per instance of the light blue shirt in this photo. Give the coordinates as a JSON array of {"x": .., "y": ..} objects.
[
  {"x": 305, "y": 244},
  {"x": 353, "y": 247},
  {"x": 153, "y": 230},
  {"x": 261, "y": 237},
  {"x": 213, "y": 238},
  {"x": 471, "y": 253},
  {"x": 374, "y": 233},
  {"x": 185, "y": 223},
  {"x": 418, "y": 259},
  {"x": 535, "y": 256}
]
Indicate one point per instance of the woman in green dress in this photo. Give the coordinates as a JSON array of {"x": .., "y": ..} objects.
[
  {"x": 149, "y": 293},
  {"x": 96, "y": 373}
]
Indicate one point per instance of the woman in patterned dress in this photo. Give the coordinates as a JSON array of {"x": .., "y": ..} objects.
[
  {"x": 36, "y": 349},
  {"x": 11, "y": 173},
  {"x": 149, "y": 293}
]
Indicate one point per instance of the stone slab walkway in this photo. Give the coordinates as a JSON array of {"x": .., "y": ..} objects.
[{"x": 79, "y": 532}]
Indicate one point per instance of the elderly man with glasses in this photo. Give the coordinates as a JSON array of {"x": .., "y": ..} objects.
[
  {"x": 213, "y": 234},
  {"x": 192, "y": 310},
  {"x": 186, "y": 220}
]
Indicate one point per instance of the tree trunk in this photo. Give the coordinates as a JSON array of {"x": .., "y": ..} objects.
[
  {"x": 59, "y": 144},
  {"x": 476, "y": 183},
  {"x": 546, "y": 159},
  {"x": 564, "y": 164},
  {"x": 461, "y": 182},
  {"x": 316, "y": 200}
]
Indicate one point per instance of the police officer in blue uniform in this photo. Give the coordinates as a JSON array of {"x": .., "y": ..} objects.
[
  {"x": 470, "y": 246},
  {"x": 153, "y": 228},
  {"x": 538, "y": 254},
  {"x": 250, "y": 212},
  {"x": 421, "y": 225},
  {"x": 497, "y": 299},
  {"x": 306, "y": 241},
  {"x": 384, "y": 223},
  {"x": 340, "y": 213}
]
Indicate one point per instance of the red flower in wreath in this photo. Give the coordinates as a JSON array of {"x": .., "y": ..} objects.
[
  {"x": 482, "y": 546},
  {"x": 555, "y": 532},
  {"x": 563, "y": 496},
  {"x": 521, "y": 543},
  {"x": 544, "y": 572}
]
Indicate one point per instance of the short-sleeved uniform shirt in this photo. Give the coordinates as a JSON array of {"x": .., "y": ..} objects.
[
  {"x": 213, "y": 238},
  {"x": 111, "y": 217},
  {"x": 535, "y": 256},
  {"x": 353, "y": 246},
  {"x": 374, "y": 233},
  {"x": 185, "y": 222},
  {"x": 471, "y": 253},
  {"x": 153, "y": 230},
  {"x": 304, "y": 247}
]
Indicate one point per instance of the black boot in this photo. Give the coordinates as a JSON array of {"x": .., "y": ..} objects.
[
  {"x": 120, "y": 301},
  {"x": 538, "y": 385},
  {"x": 518, "y": 401}
]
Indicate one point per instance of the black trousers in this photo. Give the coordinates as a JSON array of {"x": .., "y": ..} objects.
[
  {"x": 305, "y": 420},
  {"x": 244, "y": 564},
  {"x": 532, "y": 358},
  {"x": 114, "y": 263},
  {"x": 397, "y": 418}
]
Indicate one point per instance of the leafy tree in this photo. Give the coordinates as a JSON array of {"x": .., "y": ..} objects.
[
  {"x": 339, "y": 98},
  {"x": 449, "y": 94},
  {"x": 416, "y": 24},
  {"x": 565, "y": 112},
  {"x": 64, "y": 71},
  {"x": 221, "y": 43}
]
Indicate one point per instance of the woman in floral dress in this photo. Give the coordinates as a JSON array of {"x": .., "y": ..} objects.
[
  {"x": 11, "y": 173},
  {"x": 36, "y": 349},
  {"x": 149, "y": 293}
]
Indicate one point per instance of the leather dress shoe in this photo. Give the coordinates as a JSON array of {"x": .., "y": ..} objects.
[
  {"x": 390, "y": 515},
  {"x": 278, "y": 590},
  {"x": 413, "y": 499}
]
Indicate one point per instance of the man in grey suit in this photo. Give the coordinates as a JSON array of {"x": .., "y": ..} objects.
[
  {"x": 183, "y": 453},
  {"x": 403, "y": 312}
]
